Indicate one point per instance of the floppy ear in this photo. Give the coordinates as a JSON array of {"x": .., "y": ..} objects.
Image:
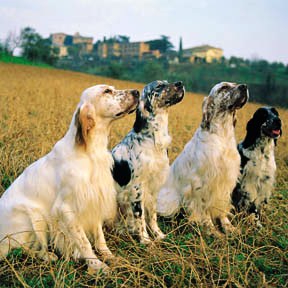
[
  {"x": 253, "y": 129},
  {"x": 84, "y": 122},
  {"x": 207, "y": 110},
  {"x": 234, "y": 118},
  {"x": 140, "y": 121}
]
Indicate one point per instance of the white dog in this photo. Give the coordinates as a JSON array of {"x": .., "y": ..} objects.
[
  {"x": 203, "y": 176},
  {"x": 68, "y": 194}
]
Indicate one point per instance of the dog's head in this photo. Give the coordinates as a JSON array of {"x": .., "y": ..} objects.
[
  {"x": 102, "y": 103},
  {"x": 157, "y": 96},
  {"x": 161, "y": 94},
  {"x": 265, "y": 122},
  {"x": 224, "y": 99}
]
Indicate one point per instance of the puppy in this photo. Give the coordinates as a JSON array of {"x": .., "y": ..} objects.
[
  {"x": 203, "y": 176},
  {"x": 66, "y": 195},
  {"x": 141, "y": 164},
  {"x": 258, "y": 165}
]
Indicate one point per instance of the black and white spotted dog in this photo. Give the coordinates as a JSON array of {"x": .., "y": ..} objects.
[
  {"x": 141, "y": 161},
  {"x": 258, "y": 165}
]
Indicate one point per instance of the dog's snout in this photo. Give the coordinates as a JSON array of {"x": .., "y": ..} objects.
[
  {"x": 242, "y": 87},
  {"x": 178, "y": 84},
  {"x": 135, "y": 93},
  {"x": 277, "y": 121}
]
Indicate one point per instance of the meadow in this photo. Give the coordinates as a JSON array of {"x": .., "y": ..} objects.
[{"x": 36, "y": 107}]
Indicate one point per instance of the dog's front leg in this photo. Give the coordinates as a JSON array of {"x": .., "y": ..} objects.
[
  {"x": 100, "y": 242},
  {"x": 152, "y": 218},
  {"x": 78, "y": 238},
  {"x": 137, "y": 204}
]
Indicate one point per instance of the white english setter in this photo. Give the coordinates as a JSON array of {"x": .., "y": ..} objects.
[
  {"x": 141, "y": 163},
  {"x": 65, "y": 196},
  {"x": 258, "y": 166},
  {"x": 203, "y": 176}
]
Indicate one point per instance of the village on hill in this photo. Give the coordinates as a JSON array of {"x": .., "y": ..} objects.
[{"x": 120, "y": 47}]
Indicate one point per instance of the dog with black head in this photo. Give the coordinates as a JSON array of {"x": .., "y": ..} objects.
[
  {"x": 258, "y": 166},
  {"x": 141, "y": 163}
]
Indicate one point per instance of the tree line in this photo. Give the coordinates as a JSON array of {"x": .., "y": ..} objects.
[{"x": 268, "y": 82}]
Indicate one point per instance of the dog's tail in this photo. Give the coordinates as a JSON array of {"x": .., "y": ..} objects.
[{"x": 168, "y": 201}]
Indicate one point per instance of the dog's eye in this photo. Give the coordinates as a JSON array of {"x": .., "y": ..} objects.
[
  {"x": 108, "y": 91},
  {"x": 223, "y": 88}
]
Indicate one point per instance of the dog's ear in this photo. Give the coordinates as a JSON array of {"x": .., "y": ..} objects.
[
  {"x": 253, "y": 127},
  {"x": 140, "y": 121},
  {"x": 208, "y": 111},
  {"x": 84, "y": 122},
  {"x": 234, "y": 118}
]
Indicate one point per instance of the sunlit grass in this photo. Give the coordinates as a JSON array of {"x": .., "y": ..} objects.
[{"x": 36, "y": 106}]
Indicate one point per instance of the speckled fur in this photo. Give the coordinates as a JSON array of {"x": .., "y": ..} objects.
[
  {"x": 141, "y": 162},
  {"x": 203, "y": 176},
  {"x": 258, "y": 166}
]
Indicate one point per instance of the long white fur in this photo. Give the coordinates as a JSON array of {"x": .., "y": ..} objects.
[
  {"x": 203, "y": 176},
  {"x": 66, "y": 196}
]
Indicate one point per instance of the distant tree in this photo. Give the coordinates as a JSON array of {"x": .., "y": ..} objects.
[
  {"x": 151, "y": 71},
  {"x": 260, "y": 65},
  {"x": 180, "y": 52},
  {"x": 236, "y": 60},
  {"x": 12, "y": 41},
  {"x": 117, "y": 39},
  {"x": 123, "y": 39},
  {"x": 163, "y": 44},
  {"x": 2, "y": 49},
  {"x": 36, "y": 48}
]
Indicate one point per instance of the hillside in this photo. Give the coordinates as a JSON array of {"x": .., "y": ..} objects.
[{"x": 36, "y": 107}]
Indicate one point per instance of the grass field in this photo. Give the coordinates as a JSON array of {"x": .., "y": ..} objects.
[{"x": 36, "y": 107}]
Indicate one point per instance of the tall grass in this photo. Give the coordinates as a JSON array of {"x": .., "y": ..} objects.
[{"x": 36, "y": 107}]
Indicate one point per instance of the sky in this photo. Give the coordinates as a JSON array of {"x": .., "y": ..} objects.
[{"x": 252, "y": 29}]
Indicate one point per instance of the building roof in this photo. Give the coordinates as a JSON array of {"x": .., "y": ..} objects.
[{"x": 202, "y": 48}]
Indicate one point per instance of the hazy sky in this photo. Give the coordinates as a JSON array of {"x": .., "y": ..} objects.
[{"x": 244, "y": 28}]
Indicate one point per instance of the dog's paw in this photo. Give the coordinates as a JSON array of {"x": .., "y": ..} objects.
[
  {"x": 145, "y": 241},
  {"x": 95, "y": 266},
  {"x": 160, "y": 236},
  {"x": 47, "y": 256}
]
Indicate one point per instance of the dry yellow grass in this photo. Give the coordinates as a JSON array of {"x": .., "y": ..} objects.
[{"x": 36, "y": 106}]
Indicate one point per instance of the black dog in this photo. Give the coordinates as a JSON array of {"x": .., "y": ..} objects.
[{"x": 258, "y": 165}]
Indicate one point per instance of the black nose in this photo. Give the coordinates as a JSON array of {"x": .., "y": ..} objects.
[
  {"x": 135, "y": 93},
  {"x": 178, "y": 84},
  {"x": 242, "y": 87}
]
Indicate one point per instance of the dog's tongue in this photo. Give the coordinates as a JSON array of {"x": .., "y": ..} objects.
[{"x": 276, "y": 132}]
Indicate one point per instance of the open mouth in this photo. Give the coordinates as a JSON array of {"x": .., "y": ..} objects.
[{"x": 274, "y": 133}]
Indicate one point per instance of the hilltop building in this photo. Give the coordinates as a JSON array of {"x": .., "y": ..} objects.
[
  {"x": 63, "y": 41},
  {"x": 137, "y": 50},
  {"x": 203, "y": 53}
]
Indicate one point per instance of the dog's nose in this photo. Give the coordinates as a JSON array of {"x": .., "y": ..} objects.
[
  {"x": 242, "y": 87},
  {"x": 135, "y": 93},
  {"x": 178, "y": 84}
]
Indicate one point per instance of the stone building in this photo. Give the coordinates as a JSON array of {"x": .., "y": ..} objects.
[
  {"x": 203, "y": 53},
  {"x": 137, "y": 50},
  {"x": 63, "y": 41}
]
